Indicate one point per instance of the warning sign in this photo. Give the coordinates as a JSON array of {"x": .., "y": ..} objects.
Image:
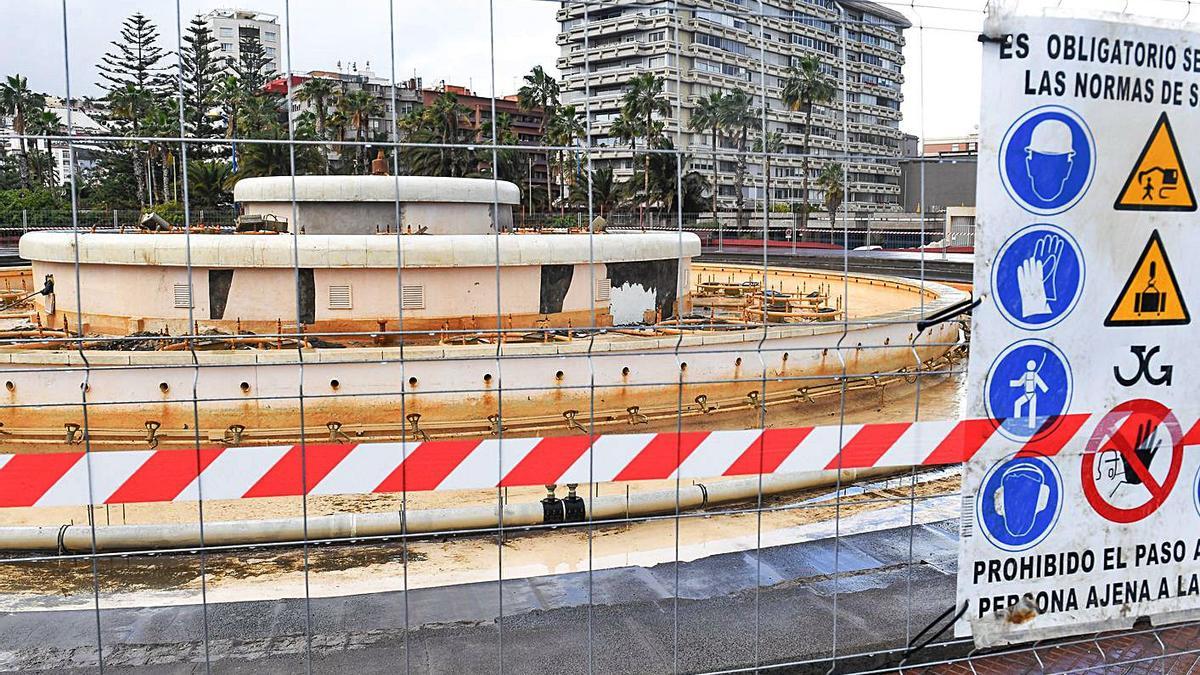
[
  {"x": 1151, "y": 296},
  {"x": 1132, "y": 461},
  {"x": 1159, "y": 180},
  {"x": 1082, "y": 515}
]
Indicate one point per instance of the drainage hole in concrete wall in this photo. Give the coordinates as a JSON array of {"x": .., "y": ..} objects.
[
  {"x": 683, "y": 366},
  {"x": 245, "y": 387},
  {"x": 164, "y": 387},
  {"x": 334, "y": 384},
  {"x": 785, "y": 356},
  {"x": 738, "y": 361},
  {"x": 487, "y": 377},
  {"x": 625, "y": 371},
  {"x": 558, "y": 375},
  {"x": 9, "y": 385},
  {"x": 412, "y": 381}
]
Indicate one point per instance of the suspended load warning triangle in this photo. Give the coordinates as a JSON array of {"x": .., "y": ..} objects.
[
  {"x": 1151, "y": 296},
  {"x": 1158, "y": 181}
]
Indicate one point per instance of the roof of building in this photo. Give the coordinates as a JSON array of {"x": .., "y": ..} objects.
[
  {"x": 376, "y": 189},
  {"x": 879, "y": 10}
]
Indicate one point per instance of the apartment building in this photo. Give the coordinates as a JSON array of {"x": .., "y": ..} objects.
[
  {"x": 705, "y": 46},
  {"x": 229, "y": 26}
]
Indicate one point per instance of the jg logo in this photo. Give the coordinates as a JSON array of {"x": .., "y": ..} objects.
[
  {"x": 1019, "y": 502},
  {"x": 1047, "y": 160}
]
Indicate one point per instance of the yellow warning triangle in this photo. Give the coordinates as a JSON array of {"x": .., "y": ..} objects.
[
  {"x": 1158, "y": 181},
  {"x": 1151, "y": 296}
]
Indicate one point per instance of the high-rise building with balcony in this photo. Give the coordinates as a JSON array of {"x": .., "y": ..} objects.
[
  {"x": 230, "y": 26},
  {"x": 705, "y": 46}
]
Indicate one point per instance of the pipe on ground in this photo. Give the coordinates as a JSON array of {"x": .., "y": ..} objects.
[{"x": 78, "y": 538}]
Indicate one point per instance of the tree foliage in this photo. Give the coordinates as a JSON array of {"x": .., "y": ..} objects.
[
  {"x": 201, "y": 75},
  {"x": 805, "y": 86}
]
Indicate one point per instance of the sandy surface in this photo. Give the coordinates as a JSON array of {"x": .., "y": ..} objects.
[{"x": 866, "y": 298}]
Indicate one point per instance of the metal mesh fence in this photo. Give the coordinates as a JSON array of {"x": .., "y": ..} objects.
[{"x": 262, "y": 439}]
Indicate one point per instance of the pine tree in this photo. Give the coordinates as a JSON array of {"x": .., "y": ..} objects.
[
  {"x": 135, "y": 60},
  {"x": 201, "y": 74},
  {"x": 251, "y": 66},
  {"x": 134, "y": 82}
]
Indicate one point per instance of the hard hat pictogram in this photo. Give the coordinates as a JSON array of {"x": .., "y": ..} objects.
[
  {"x": 1151, "y": 296},
  {"x": 1047, "y": 159},
  {"x": 1051, "y": 137},
  {"x": 1158, "y": 180}
]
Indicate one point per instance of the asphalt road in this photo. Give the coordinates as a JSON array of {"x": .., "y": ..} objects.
[{"x": 545, "y": 619}]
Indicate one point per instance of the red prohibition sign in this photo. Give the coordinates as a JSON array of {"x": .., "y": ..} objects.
[{"x": 1130, "y": 416}]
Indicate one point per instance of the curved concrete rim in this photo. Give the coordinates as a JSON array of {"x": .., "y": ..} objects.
[
  {"x": 939, "y": 296},
  {"x": 67, "y": 538},
  {"x": 353, "y": 250},
  {"x": 376, "y": 189}
]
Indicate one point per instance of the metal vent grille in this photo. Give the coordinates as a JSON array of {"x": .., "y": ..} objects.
[
  {"x": 340, "y": 297},
  {"x": 183, "y": 296},
  {"x": 412, "y": 297},
  {"x": 603, "y": 290}
]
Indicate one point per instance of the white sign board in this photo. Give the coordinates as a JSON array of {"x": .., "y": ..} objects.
[{"x": 1082, "y": 511}]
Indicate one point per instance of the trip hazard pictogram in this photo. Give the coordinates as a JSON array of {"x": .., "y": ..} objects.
[
  {"x": 1159, "y": 180},
  {"x": 1151, "y": 296},
  {"x": 1132, "y": 461}
]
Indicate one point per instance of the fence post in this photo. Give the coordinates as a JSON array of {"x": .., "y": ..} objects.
[
  {"x": 115, "y": 225},
  {"x": 720, "y": 233},
  {"x": 24, "y": 221}
]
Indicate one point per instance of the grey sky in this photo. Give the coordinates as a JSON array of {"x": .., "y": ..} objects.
[{"x": 448, "y": 39}]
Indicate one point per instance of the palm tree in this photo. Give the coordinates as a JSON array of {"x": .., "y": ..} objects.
[
  {"x": 540, "y": 91},
  {"x": 507, "y": 165},
  {"x": 127, "y": 103},
  {"x": 564, "y": 129},
  {"x": 319, "y": 92},
  {"x": 739, "y": 117},
  {"x": 643, "y": 98},
  {"x": 336, "y": 125},
  {"x": 805, "y": 86},
  {"x": 708, "y": 115},
  {"x": 769, "y": 144},
  {"x": 45, "y": 123},
  {"x": 160, "y": 122},
  {"x": 358, "y": 107},
  {"x": 605, "y": 189},
  {"x": 830, "y": 180},
  {"x": 661, "y": 186},
  {"x": 625, "y": 129},
  {"x": 442, "y": 123},
  {"x": 17, "y": 100},
  {"x": 208, "y": 183},
  {"x": 229, "y": 92}
]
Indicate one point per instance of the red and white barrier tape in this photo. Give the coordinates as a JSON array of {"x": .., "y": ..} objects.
[{"x": 128, "y": 476}]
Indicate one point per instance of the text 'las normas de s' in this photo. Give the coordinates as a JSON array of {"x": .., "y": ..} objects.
[{"x": 1083, "y": 511}]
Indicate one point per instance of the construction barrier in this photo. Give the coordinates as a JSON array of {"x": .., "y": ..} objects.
[{"x": 129, "y": 476}]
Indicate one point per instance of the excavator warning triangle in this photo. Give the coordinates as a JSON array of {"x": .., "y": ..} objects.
[{"x": 1158, "y": 181}]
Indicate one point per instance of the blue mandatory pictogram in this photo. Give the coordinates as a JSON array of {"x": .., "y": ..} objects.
[
  {"x": 1019, "y": 502},
  {"x": 1038, "y": 277},
  {"x": 1047, "y": 159},
  {"x": 1029, "y": 385}
]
